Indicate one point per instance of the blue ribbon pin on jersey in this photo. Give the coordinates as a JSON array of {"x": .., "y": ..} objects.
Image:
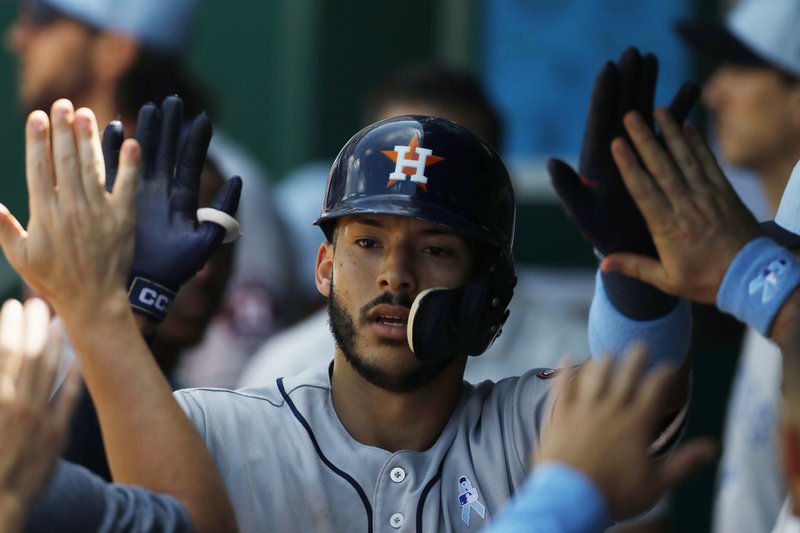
[{"x": 468, "y": 498}]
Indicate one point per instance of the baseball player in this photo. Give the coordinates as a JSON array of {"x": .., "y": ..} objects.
[{"x": 418, "y": 216}]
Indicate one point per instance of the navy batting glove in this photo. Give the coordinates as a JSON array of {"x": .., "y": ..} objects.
[
  {"x": 595, "y": 197},
  {"x": 171, "y": 246}
]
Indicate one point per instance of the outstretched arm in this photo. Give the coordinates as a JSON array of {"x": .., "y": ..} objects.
[
  {"x": 77, "y": 252},
  {"x": 711, "y": 249},
  {"x": 593, "y": 465}
]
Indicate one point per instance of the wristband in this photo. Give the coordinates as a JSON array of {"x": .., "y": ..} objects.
[
  {"x": 758, "y": 282},
  {"x": 232, "y": 228},
  {"x": 611, "y": 333},
  {"x": 150, "y": 298}
]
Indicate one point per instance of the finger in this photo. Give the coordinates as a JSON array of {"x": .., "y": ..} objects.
[
  {"x": 68, "y": 395},
  {"x": 90, "y": 151},
  {"x": 655, "y": 157},
  {"x": 595, "y": 379},
  {"x": 601, "y": 119},
  {"x": 227, "y": 198},
  {"x": 653, "y": 392},
  {"x": 687, "y": 165},
  {"x": 630, "y": 65},
  {"x": 183, "y": 198},
  {"x": 124, "y": 192},
  {"x": 683, "y": 101},
  {"x": 629, "y": 374},
  {"x": 36, "y": 317},
  {"x": 171, "y": 122},
  {"x": 38, "y": 165},
  {"x": 646, "y": 94},
  {"x": 11, "y": 344},
  {"x": 574, "y": 193},
  {"x": 685, "y": 461},
  {"x": 65, "y": 155},
  {"x": 12, "y": 238},
  {"x": 560, "y": 395},
  {"x": 641, "y": 267},
  {"x": 641, "y": 185},
  {"x": 706, "y": 158},
  {"x": 147, "y": 125},
  {"x": 112, "y": 142}
]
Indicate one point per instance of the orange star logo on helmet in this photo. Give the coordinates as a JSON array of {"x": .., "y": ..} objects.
[{"x": 410, "y": 162}]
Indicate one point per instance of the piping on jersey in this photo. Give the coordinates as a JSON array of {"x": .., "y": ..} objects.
[{"x": 325, "y": 460}]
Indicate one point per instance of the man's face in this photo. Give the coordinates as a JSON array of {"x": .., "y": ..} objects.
[
  {"x": 53, "y": 54},
  {"x": 754, "y": 112},
  {"x": 373, "y": 272}
]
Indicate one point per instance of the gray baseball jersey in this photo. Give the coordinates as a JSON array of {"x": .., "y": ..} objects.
[{"x": 290, "y": 465}]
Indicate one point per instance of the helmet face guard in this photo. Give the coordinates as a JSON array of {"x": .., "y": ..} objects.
[{"x": 435, "y": 170}]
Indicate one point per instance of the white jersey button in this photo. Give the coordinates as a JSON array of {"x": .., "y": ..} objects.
[
  {"x": 397, "y": 474},
  {"x": 396, "y": 521}
]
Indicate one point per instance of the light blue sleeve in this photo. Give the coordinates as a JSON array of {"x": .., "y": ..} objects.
[
  {"x": 555, "y": 498},
  {"x": 76, "y": 500},
  {"x": 610, "y": 332}
]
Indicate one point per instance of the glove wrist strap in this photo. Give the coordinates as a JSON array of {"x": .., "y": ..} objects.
[{"x": 149, "y": 298}]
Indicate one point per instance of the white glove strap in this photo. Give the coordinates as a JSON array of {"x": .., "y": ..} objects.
[{"x": 232, "y": 228}]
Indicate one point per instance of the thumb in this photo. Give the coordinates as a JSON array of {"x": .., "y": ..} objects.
[
  {"x": 637, "y": 266},
  {"x": 685, "y": 461},
  {"x": 227, "y": 199},
  {"x": 12, "y": 236}
]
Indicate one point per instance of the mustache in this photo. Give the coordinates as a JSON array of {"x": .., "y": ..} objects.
[{"x": 400, "y": 299}]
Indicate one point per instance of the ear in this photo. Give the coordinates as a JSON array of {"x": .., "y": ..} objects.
[
  {"x": 324, "y": 268},
  {"x": 790, "y": 450},
  {"x": 113, "y": 56},
  {"x": 794, "y": 105}
]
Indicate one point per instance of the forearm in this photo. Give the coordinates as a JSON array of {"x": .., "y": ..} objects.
[
  {"x": 134, "y": 402},
  {"x": 666, "y": 337},
  {"x": 12, "y": 512}
]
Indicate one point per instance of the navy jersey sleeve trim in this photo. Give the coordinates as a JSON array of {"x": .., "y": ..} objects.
[{"x": 328, "y": 463}]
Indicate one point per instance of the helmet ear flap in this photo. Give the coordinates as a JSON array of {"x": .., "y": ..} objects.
[{"x": 445, "y": 323}]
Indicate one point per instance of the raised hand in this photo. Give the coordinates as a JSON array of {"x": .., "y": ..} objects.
[
  {"x": 78, "y": 245},
  {"x": 595, "y": 198},
  {"x": 32, "y": 429},
  {"x": 171, "y": 245},
  {"x": 697, "y": 221},
  {"x": 603, "y": 423}
]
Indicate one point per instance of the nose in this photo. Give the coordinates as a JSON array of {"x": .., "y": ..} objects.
[
  {"x": 714, "y": 89},
  {"x": 397, "y": 272}
]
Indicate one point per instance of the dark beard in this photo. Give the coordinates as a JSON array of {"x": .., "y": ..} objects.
[{"x": 344, "y": 333}]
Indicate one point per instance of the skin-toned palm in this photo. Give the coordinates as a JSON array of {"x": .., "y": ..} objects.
[
  {"x": 697, "y": 221},
  {"x": 72, "y": 218},
  {"x": 32, "y": 430},
  {"x": 603, "y": 423}
]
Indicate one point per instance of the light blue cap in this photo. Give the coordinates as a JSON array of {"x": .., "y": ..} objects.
[
  {"x": 159, "y": 25},
  {"x": 770, "y": 28}
]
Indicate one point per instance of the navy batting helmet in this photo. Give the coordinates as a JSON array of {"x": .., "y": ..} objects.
[{"x": 433, "y": 169}]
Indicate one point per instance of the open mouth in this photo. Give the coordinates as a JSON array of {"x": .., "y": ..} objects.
[{"x": 392, "y": 321}]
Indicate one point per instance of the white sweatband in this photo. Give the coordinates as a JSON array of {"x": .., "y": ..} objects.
[{"x": 232, "y": 228}]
